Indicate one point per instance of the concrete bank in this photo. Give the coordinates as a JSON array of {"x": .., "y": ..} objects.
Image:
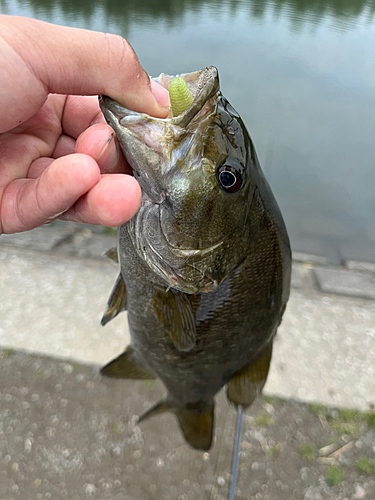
[{"x": 55, "y": 283}]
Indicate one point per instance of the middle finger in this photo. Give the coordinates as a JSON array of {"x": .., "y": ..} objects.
[{"x": 80, "y": 112}]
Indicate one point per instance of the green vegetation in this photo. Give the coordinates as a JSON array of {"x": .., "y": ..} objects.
[
  {"x": 268, "y": 399},
  {"x": 349, "y": 428},
  {"x": 308, "y": 451},
  {"x": 273, "y": 451},
  {"x": 110, "y": 230},
  {"x": 347, "y": 421},
  {"x": 365, "y": 465},
  {"x": 370, "y": 418},
  {"x": 263, "y": 420},
  {"x": 319, "y": 409},
  {"x": 334, "y": 475},
  {"x": 274, "y": 400},
  {"x": 316, "y": 408},
  {"x": 6, "y": 353},
  {"x": 348, "y": 415},
  {"x": 117, "y": 428}
]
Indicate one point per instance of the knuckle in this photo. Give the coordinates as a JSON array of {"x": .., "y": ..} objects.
[{"x": 125, "y": 58}]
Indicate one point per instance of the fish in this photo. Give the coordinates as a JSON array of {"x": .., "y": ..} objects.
[{"x": 205, "y": 263}]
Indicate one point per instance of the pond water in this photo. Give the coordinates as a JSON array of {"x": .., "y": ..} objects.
[{"x": 302, "y": 75}]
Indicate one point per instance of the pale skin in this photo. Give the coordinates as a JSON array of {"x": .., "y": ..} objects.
[{"x": 58, "y": 157}]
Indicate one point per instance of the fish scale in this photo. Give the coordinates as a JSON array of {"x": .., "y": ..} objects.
[{"x": 206, "y": 318}]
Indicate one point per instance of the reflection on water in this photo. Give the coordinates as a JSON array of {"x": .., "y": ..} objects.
[
  {"x": 298, "y": 11},
  {"x": 300, "y": 72}
]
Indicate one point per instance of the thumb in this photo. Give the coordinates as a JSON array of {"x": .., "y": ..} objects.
[{"x": 42, "y": 58}]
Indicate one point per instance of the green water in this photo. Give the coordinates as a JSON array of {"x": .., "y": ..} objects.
[{"x": 300, "y": 73}]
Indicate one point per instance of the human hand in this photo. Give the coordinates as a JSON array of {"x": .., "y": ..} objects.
[{"x": 58, "y": 158}]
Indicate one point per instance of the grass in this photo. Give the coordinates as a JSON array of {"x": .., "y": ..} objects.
[
  {"x": 370, "y": 418},
  {"x": 347, "y": 421},
  {"x": 110, "y": 230},
  {"x": 365, "y": 465},
  {"x": 117, "y": 428},
  {"x": 334, "y": 475},
  {"x": 263, "y": 420},
  {"x": 351, "y": 428},
  {"x": 273, "y": 451},
  {"x": 348, "y": 415},
  {"x": 268, "y": 399},
  {"x": 6, "y": 353},
  {"x": 308, "y": 451},
  {"x": 274, "y": 399},
  {"x": 319, "y": 409}
]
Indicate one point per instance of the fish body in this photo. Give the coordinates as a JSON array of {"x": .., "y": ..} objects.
[{"x": 205, "y": 263}]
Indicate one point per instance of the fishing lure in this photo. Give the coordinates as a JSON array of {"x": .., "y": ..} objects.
[{"x": 179, "y": 95}]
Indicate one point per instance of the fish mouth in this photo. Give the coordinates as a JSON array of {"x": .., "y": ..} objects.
[
  {"x": 144, "y": 137},
  {"x": 149, "y": 146},
  {"x": 203, "y": 85}
]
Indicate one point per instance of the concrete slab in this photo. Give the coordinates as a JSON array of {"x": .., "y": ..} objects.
[
  {"x": 325, "y": 351},
  {"x": 358, "y": 265},
  {"x": 53, "y": 305},
  {"x": 296, "y": 276},
  {"x": 342, "y": 282},
  {"x": 86, "y": 244},
  {"x": 40, "y": 239},
  {"x": 357, "y": 250},
  {"x": 310, "y": 258}
]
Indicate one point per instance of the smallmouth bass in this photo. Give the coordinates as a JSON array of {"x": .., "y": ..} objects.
[{"x": 206, "y": 261}]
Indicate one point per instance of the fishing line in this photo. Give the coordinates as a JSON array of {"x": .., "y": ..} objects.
[
  {"x": 236, "y": 454},
  {"x": 220, "y": 458}
]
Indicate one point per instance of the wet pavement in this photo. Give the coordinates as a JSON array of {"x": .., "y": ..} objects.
[{"x": 67, "y": 433}]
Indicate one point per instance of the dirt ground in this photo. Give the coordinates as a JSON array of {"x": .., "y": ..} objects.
[{"x": 66, "y": 433}]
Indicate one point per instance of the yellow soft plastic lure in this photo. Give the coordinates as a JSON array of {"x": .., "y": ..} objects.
[{"x": 179, "y": 95}]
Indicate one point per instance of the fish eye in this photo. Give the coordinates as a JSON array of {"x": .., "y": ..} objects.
[{"x": 229, "y": 177}]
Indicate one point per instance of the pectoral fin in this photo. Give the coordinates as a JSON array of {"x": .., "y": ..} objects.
[
  {"x": 117, "y": 301},
  {"x": 125, "y": 367},
  {"x": 174, "y": 311},
  {"x": 197, "y": 427},
  {"x": 112, "y": 254},
  {"x": 247, "y": 383}
]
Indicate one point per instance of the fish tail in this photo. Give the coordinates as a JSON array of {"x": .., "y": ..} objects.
[
  {"x": 197, "y": 425},
  {"x": 196, "y": 421}
]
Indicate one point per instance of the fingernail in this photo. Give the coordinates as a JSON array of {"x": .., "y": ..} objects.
[{"x": 161, "y": 94}]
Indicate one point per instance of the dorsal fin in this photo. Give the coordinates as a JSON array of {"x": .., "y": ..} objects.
[
  {"x": 174, "y": 311},
  {"x": 126, "y": 367},
  {"x": 116, "y": 302},
  {"x": 197, "y": 426},
  {"x": 247, "y": 383},
  {"x": 112, "y": 254}
]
